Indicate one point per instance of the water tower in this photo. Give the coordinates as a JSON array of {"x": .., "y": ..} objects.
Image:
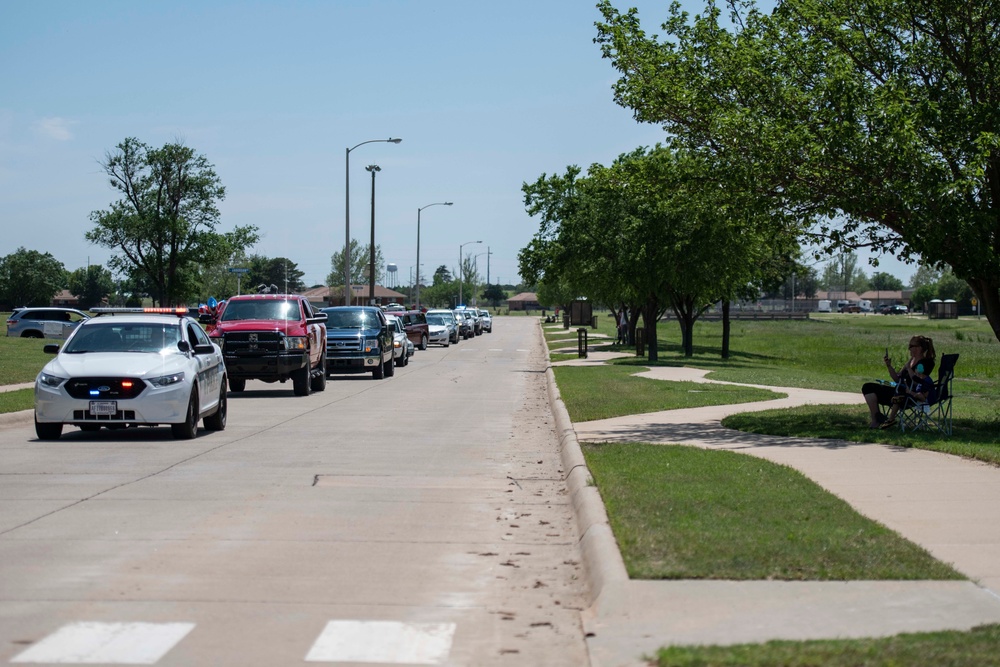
[{"x": 391, "y": 279}]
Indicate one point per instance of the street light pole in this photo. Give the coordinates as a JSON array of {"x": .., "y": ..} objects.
[
  {"x": 373, "y": 169},
  {"x": 347, "y": 213},
  {"x": 461, "y": 245},
  {"x": 440, "y": 203}
]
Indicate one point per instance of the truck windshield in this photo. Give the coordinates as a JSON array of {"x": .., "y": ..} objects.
[
  {"x": 260, "y": 310},
  {"x": 351, "y": 319}
]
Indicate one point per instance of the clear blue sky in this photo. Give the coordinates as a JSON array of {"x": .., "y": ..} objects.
[{"x": 485, "y": 97}]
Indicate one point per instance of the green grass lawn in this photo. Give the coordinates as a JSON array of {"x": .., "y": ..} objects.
[
  {"x": 977, "y": 647},
  {"x": 688, "y": 513},
  {"x": 601, "y": 392}
]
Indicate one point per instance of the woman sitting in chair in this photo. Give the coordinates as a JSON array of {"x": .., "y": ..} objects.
[{"x": 876, "y": 394}]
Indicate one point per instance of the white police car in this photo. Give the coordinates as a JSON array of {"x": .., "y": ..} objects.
[{"x": 133, "y": 367}]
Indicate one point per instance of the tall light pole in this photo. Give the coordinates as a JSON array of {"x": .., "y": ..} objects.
[
  {"x": 373, "y": 169},
  {"x": 462, "y": 245},
  {"x": 347, "y": 214},
  {"x": 439, "y": 203}
]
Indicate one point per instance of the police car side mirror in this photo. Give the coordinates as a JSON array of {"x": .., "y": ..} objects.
[
  {"x": 183, "y": 345},
  {"x": 51, "y": 348}
]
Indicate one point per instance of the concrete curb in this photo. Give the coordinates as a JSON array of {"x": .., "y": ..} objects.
[
  {"x": 602, "y": 561},
  {"x": 16, "y": 418}
]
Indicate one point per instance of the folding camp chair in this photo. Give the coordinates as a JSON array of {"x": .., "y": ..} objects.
[{"x": 917, "y": 415}]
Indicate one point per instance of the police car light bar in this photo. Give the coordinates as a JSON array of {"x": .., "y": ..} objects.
[{"x": 161, "y": 311}]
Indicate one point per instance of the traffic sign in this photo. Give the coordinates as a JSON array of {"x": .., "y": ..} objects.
[{"x": 237, "y": 269}]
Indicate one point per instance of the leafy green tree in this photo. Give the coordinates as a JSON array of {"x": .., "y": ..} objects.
[
  {"x": 30, "y": 278},
  {"x": 951, "y": 286},
  {"x": 925, "y": 275},
  {"x": 876, "y": 119},
  {"x": 493, "y": 294},
  {"x": 360, "y": 262},
  {"x": 842, "y": 274},
  {"x": 442, "y": 275},
  {"x": 279, "y": 271},
  {"x": 164, "y": 225},
  {"x": 885, "y": 282},
  {"x": 91, "y": 284}
]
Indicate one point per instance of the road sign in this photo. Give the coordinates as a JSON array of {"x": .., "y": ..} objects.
[{"x": 237, "y": 269}]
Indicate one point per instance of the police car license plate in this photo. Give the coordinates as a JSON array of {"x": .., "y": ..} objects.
[{"x": 103, "y": 407}]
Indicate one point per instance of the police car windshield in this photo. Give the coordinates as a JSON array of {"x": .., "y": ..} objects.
[{"x": 128, "y": 337}]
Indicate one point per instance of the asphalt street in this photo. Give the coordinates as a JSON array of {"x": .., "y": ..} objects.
[{"x": 419, "y": 519}]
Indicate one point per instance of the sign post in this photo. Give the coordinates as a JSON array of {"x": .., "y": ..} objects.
[{"x": 239, "y": 271}]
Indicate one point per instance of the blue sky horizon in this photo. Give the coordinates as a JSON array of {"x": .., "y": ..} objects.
[{"x": 484, "y": 98}]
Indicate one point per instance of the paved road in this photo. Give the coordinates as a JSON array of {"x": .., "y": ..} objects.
[{"x": 417, "y": 519}]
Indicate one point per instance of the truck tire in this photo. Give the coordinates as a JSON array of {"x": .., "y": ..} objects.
[
  {"x": 237, "y": 384},
  {"x": 379, "y": 371},
  {"x": 319, "y": 376},
  {"x": 390, "y": 368},
  {"x": 300, "y": 381}
]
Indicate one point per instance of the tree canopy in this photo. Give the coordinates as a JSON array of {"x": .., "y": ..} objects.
[
  {"x": 164, "y": 225},
  {"x": 360, "y": 264},
  {"x": 91, "y": 284},
  {"x": 874, "y": 119},
  {"x": 30, "y": 278}
]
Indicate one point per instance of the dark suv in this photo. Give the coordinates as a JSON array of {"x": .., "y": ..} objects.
[{"x": 358, "y": 340}]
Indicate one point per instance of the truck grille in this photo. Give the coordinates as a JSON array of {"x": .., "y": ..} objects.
[
  {"x": 336, "y": 346},
  {"x": 254, "y": 342}
]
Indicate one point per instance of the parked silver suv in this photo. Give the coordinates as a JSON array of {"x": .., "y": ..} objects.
[{"x": 57, "y": 323}]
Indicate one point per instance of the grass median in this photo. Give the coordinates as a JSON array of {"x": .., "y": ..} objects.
[
  {"x": 683, "y": 512},
  {"x": 927, "y": 649},
  {"x": 602, "y": 392}
]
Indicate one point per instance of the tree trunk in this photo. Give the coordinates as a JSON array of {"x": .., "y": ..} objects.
[
  {"x": 725, "y": 328},
  {"x": 652, "y": 312},
  {"x": 988, "y": 293},
  {"x": 633, "y": 322}
]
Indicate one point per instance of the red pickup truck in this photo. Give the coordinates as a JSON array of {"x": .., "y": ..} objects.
[{"x": 274, "y": 338}]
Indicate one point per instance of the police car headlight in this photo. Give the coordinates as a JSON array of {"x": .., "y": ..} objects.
[
  {"x": 166, "y": 380},
  {"x": 295, "y": 343},
  {"x": 52, "y": 381}
]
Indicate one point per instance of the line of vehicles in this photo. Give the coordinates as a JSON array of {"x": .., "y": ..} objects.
[{"x": 126, "y": 367}]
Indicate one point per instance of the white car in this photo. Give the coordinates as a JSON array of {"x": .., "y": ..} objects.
[
  {"x": 487, "y": 319},
  {"x": 130, "y": 367},
  {"x": 402, "y": 348}
]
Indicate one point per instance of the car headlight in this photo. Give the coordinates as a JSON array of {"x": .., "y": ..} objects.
[
  {"x": 396, "y": 343},
  {"x": 166, "y": 380},
  {"x": 371, "y": 345},
  {"x": 295, "y": 343},
  {"x": 48, "y": 380}
]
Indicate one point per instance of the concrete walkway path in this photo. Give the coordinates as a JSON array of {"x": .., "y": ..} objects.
[{"x": 948, "y": 505}]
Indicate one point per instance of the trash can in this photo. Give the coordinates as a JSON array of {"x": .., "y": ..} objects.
[
  {"x": 581, "y": 343},
  {"x": 565, "y": 320},
  {"x": 593, "y": 322}
]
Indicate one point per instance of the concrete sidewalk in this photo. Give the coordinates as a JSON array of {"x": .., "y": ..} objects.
[{"x": 948, "y": 505}]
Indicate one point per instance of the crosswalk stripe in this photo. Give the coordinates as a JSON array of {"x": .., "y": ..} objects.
[
  {"x": 106, "y": 643},
  {"x": 383, "y": 642}
]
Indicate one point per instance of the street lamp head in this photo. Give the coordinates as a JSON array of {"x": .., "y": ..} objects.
[
  {"x": 448, "y": 203},
  {"x": 373, "y": 167},
  {"x": 394, "y": 141}
]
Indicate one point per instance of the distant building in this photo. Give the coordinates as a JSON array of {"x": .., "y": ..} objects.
[
  {"x": 324, "y": 297},
  {"x": 524, "y": 301}
]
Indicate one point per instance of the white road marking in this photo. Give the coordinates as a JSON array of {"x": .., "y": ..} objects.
[
  {"x": 107, "y": 643},
  {"x": 383, "y": 642}
]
